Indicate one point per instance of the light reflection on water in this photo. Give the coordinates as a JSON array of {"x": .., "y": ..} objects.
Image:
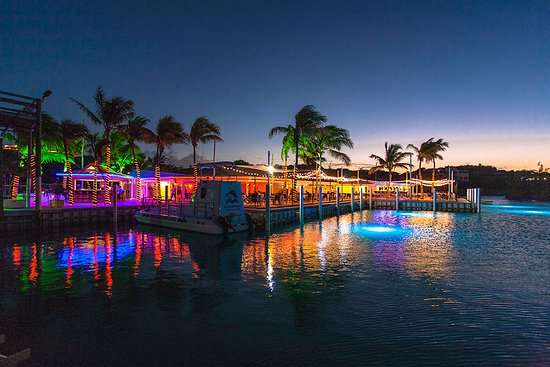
[{"x": 401, "y": 288}]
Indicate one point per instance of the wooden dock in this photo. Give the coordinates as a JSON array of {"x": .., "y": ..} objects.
[
  {"x": 17, "y": 220},
  {"x": 285, "y": 215}
]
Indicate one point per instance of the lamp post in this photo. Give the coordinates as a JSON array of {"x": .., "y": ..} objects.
[{"x": 268, "y": 194}]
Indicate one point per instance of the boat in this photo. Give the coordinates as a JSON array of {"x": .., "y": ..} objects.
[{"x": 216, "y": 208}]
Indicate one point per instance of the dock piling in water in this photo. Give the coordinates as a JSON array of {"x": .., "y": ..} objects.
[
  {"x": 338, "y": 201},
  {"x": 320, "y": 202},
  {"x": 302, "y": 204}
]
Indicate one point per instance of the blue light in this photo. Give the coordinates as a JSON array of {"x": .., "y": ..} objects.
[{"x": 380, "y": 230}]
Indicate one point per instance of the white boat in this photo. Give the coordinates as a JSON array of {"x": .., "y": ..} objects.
[{"x": 216, "y": 208}]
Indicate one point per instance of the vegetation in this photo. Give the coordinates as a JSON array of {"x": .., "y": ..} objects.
[
  {"x": 392, "y": 159},
  {"x": 135, "y": 131},
  {"x": 203, "y": 131},
  {"x": 109, "y": 113},
  {"x": 168, "y": 132},
  {"x": 307, "y": 123},
  {"x": 71, "y": 133}
]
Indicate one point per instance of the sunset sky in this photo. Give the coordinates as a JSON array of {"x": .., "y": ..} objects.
[{"x": 476, "y": 73}]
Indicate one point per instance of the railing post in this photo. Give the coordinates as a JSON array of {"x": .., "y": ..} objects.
[
  {"x": 268, "y": 207},
  {"x": 301, "y": 198},
  {"x": 478, "y": 200},
  {"x": 338, "y": 200},
  {"x": 397, "y": 198},
  {"x": 320, "y": 202},
  {"x": 361, "y": 199},
  {"x": 370, "y": 198},
  {"x": 115, "y": 199},
  {"x": 352, "y": 198}
]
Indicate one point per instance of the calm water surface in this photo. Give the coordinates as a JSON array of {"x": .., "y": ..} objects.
[{"x": 381, "y": 288}]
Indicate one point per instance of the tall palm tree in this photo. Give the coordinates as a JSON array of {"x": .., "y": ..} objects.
[
  {"x": 421, "y": 156},
  {"x": 168, "y": 132},
  {"x": 392, "y": 159},
  {"x": 306, "y": 122},
  {"x": 97, "y": 146},
  {"x": 70, "y": 133},
  {"x": 136, "y": 131},
  {"x": 328, "y": 139},
  {"x": 109, "y": 113},
  {"x": 203, "y": 131},
  {"x": 434, "y": 149},
  {"x": 287, "y": 146}
]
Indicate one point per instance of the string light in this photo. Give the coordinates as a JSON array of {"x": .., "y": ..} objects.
[
  {"x": 14, "y": 187},
  {"x": 108, "y": 162},
  {"x": 138, "y": 175}
]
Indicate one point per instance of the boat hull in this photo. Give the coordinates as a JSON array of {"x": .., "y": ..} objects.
[{"x": 191, "y": 224}]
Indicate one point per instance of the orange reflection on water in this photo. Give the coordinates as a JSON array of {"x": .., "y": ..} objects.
[
  {"x": 432, "y": 253},
  {"x": 108, "y": 268},
  {"x": 69, "y": 272},
  {"x": 253, "y": 260},
  {"x": 16, "y": 254},
  {"x": 33, "y": 273},
  {"x": 96, "y": 263},
  {"x": 137, "y": 259},
  {"x": 158, "y": 253}
]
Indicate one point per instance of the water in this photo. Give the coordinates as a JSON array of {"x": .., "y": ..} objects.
[{"x": 381, "y": 288}]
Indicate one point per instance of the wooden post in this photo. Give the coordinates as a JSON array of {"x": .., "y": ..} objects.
[
  {"x": 115, "y": 201},
  {"x": 478, "y": 199},
  {"x": 370, "y": 198},
  {"x": 352, "y": 198},
  {"x": 268, "y": 195},
  {"x": 435, "y": 200},
  {"x": 302, "y": 214},
  {"x": 397, "y": 198},
  {"x": 320, "y": 202},
  {"x": 338, "y": 200}
]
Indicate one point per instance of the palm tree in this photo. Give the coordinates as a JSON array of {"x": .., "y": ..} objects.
[
  {"x": 287, "y": 145},
  {"x": 168, "y": 132},
  {"x": 421, "y": 156},
  {"x": 136, "y": 131},
  {"x": 109, "y": 113},
  {"x": 97, "y": 146},
  {"x": 203, "y": 131},
  {"x": 306, "y": 122},
  {"x": 432, "y": 154},
  {"x": 392, "y": 159},
  {"x": 328, "y": 139},
  {"x": 70, "y": 133}
]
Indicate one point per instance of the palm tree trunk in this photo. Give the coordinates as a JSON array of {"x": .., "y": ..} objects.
[
  {"x": 433, "y": 178},
  {"x": 33, "y": 171},
  {"x": 138, "y": 173},
  {"x": 157, "y": 176},
  {"x": 70, "y": 189},
  {"x": 94, "y": 192},
  {"x": 14, "y": 187},
  {"x": 389, "y": 185},
  {"x": 421, "y": 183},
  {"x": 108, "y": 176},
  {"x": 195, "y": 169},
  {"x": 285, "y": 174}
]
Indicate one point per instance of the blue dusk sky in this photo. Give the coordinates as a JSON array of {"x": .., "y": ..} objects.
[{"x": 476, "y": 73}]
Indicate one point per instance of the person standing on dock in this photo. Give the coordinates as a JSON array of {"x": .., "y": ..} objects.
[{"x": 173, "y": 193}]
